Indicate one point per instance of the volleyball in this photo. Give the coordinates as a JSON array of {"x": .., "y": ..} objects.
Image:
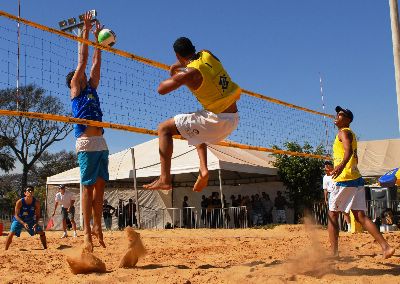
[{"x": 106, "y": 37}]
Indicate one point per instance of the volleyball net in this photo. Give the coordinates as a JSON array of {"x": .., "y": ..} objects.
[{"x": 128, "y": 91}]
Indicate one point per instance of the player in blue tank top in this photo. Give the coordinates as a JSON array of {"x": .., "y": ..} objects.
[
  {"x": 91, "y": 147},
  {"x": 27, "y": 215}
]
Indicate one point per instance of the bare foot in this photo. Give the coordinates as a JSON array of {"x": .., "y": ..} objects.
[
  {"x": 202, "y": 182},
  {"x": 99, "y": 235},
  {"x": 87, "y": 244},
  {"x": 158, "y": 185},
  {"x": 388, "y": 252},
  {"x": 150, "y": 184}
]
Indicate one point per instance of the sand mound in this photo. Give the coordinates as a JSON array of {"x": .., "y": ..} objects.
[
  {"x": 84, "y": 262},
  {"x": 135, "y": 249}
]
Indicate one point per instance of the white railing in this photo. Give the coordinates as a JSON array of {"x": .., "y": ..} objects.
[{"x": 193, "y": 218}]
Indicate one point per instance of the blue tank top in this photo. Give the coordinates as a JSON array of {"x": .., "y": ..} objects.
[
  {"x": 27, "y": 212},
  {"x": 86, "y": 106}
]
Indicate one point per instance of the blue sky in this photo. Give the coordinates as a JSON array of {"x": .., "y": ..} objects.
[{"x": 276, "y": 48}]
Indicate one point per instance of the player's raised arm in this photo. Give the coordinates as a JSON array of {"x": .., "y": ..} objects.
[
  {"x": 79, "y": 74},
  {"x": 185, "y": 76},
  {"x": 96, "y": 62}
]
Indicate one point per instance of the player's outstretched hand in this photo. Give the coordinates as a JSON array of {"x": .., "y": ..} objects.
[
  {"x": 97, "y": 30},
  {"x": 87, "y": 20},
  {"x": 26, "y": 226}
]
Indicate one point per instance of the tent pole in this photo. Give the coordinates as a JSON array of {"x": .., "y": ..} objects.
[
  {"x": 80, "y": 205},
  {"x": 172, "y": 195},
  {"x": 220, "y": 189},
  {"x": 135, "y": 187},
  {"x": 45, "y": 205},
  {"x": 222, "y": 196}
]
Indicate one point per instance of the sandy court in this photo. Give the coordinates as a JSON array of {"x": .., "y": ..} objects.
[{"x": 287, "y": 253}]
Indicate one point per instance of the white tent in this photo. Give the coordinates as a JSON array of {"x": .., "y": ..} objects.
[
  {"x": 229, "y": 167},
  {"x": 377, "y": 157},
  {"x": 184, "y": 160}
]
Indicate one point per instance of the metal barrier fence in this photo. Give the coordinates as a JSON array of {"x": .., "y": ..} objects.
[
  {"x": 375, "y": 209},
  {"x": 320, "y": 211},
  {"x": 192, "y": 218}
]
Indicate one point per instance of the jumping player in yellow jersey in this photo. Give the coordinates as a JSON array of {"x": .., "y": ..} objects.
[
  {"x": 207, "y": 79},
  {"x": 348, "y": 193}
]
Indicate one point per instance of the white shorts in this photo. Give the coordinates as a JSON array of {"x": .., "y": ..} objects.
[
  {"x": 344, "y": 199},
  {"x": 91, "y": 144},
  {"x": 206, "y": 127}
]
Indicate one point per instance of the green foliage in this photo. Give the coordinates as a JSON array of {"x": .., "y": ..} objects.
[
  {"x": 12, "y": 197},
  {"x": 10, "y": 182},
  {"x": 301, "y": 176},
  {"x": 27, "y": 139},
  {"x": 50, "y": 164},
  {"x": 6, "y": 159},
  {"x": 40, "y": 194}
]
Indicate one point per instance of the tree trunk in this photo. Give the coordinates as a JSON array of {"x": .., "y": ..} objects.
[{"x": 24, "y": 179}]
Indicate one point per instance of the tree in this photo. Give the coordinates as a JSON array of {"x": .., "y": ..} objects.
[
  {"x": 6, "y": 159},
  {"x": 47, "y": 165},
  {"x": 53, "y": 163},
  {"x": 8, "y": 185},
  {"x": 301, "y": 176},
  {"x": 29, "y": 138}
]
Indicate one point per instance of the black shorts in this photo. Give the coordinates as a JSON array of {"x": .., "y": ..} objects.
[{"x": 70, "y": 215}]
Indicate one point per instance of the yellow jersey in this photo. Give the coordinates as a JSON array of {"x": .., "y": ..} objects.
[
  {"x": 350, "y": 171},
  {"x": 217, "y": 91}
]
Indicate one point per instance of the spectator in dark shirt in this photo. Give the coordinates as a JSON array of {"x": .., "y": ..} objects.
[
  {"x": 120, "y": 213},
  {"x": 268, "y": 206},
  {"x": 203, "y": 204},
  {"x": 258, "y": 211},
  {"x": 280, "y": 203},
  {"x": 130, "y": 211},
  {"x": 108, "y": 211},
  {"x": 188, "y": 214}
]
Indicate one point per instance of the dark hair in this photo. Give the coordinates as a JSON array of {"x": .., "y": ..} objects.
[
  {"x": 184, "y": 47},
  {"x": 328, "y": 163},
  {"x": 29, "y": 187},
  {"x": 69, "y": 78}
]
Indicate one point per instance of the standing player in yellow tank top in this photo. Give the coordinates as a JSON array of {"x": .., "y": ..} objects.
[
  {"x": 207, "y": 79},
  {"x": 349, "y": 193}
]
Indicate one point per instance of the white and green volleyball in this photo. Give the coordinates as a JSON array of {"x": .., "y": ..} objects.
[{"x": 106, "y": 37}]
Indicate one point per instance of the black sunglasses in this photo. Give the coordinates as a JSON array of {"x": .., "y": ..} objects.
[{"x": 30, "y": 190}]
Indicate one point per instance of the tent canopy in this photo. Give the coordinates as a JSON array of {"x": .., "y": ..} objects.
[
  {"x": 377, "y": 157},
  {"x": 236, "y": 164}
]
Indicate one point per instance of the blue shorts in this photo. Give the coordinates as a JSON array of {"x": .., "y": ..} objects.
[
  {"x": 16, "y": 228},
  {"x": 93, "y": 165}
]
